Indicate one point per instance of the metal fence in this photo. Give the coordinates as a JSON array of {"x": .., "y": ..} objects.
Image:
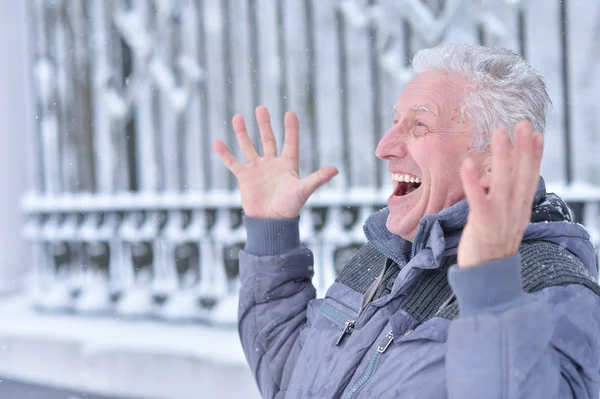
[{"x": 129, "y": 211}]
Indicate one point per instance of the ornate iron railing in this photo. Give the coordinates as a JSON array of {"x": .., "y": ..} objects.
[{"x": 129, "y": 211}]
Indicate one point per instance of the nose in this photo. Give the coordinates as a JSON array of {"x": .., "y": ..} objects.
[{"x": 392, "y": 144}]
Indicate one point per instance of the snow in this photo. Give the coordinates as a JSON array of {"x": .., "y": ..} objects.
[
  {"x": 140, "y": 358},
  {"x": 204, "y": 342}
]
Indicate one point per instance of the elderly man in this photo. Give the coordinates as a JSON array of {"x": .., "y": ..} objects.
[{"x": 474, "y": 282}]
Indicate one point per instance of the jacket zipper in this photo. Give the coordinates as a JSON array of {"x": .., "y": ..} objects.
[
  {"x": 347, "y": 325},
  {"x": 383, "y": 346},
  {"x": 417, "y": 239}
]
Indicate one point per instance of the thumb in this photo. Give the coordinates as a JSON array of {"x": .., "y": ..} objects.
[{"x": 312, "y": 182}]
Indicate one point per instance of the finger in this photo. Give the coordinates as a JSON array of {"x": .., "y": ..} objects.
[
  {"x": 239, "y": 127},
  {"x": 528, "y": 151},
  {"x": 228, "y": 159},
  {"x": 312, "y": 182},
  {"x": 523, "y": 162},
  {"x": 474, "y": 192},
  {"x": 502, "y": 169},
  {"x": 267, "y": 138},
  {"x": 291, "y": 142},
  {"x": 538, "y": 150}
]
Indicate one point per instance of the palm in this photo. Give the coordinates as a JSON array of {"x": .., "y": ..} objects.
[{"x": 271, "y": 186}]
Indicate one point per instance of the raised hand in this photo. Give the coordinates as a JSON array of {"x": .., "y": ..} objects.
[
  {"x": 271, "y": 186},
  {"x": 498, "y": 219}
]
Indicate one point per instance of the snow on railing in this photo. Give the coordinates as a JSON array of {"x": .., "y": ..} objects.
[{"x": 175, "y": 259}]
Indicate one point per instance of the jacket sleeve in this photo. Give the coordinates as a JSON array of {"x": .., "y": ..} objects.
[
  {"x": 276, "y": 289},
  {"x": 509, "y": 344}
]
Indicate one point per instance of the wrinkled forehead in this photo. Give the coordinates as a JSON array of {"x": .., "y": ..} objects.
[{"x": 438, "y": 94}]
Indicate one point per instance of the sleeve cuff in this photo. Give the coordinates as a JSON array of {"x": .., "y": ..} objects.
[
  {"x": 491, "y": 287},
  {"x": 271, "y": 237}
]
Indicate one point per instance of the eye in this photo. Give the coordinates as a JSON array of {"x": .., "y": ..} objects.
[{"x": 418, "y": 128}]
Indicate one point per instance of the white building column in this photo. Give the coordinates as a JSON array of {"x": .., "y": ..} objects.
[{"x": 15, "y": 136}]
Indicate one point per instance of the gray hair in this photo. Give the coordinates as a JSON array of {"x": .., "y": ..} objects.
[{"x": 503, "y": 88}]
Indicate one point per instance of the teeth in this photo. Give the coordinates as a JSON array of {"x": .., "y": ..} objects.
[{"x": 405, "y": 178}]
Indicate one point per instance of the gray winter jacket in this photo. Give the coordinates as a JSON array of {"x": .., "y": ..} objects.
[{"x": 523, "y": 327}]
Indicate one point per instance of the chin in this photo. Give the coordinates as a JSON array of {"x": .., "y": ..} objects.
[
  {"x": 405, "y": 214},
  {"x": 402, "y": 225}
]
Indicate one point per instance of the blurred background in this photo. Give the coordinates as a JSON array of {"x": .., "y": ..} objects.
[{"x": 120, "y": 229}]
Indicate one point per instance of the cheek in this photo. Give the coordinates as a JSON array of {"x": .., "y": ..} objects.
[{"x": 441, "y": 160}]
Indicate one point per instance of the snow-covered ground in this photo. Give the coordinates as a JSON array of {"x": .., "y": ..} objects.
[
  {"x": 147, "y": 359},
  {"x": 16, "y": 389}
]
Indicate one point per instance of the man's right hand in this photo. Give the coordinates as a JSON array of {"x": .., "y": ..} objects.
[{"x": 270, "y": 186}]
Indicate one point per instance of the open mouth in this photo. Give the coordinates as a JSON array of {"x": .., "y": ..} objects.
[
  {"x": 404, "y": 188},
  {"x": 405, "y": 184}
]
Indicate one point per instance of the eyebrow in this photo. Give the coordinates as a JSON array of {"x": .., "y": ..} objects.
[{"x": 418, "y": 108}]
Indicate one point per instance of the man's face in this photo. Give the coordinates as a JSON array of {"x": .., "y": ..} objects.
[{"x": 426, "y": 145}]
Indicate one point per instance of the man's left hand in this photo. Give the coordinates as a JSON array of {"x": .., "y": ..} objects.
[{"x": 498, "y": 219}]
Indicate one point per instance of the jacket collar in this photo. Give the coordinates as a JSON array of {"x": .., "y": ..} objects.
[{"x": 439, "y": 234}]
